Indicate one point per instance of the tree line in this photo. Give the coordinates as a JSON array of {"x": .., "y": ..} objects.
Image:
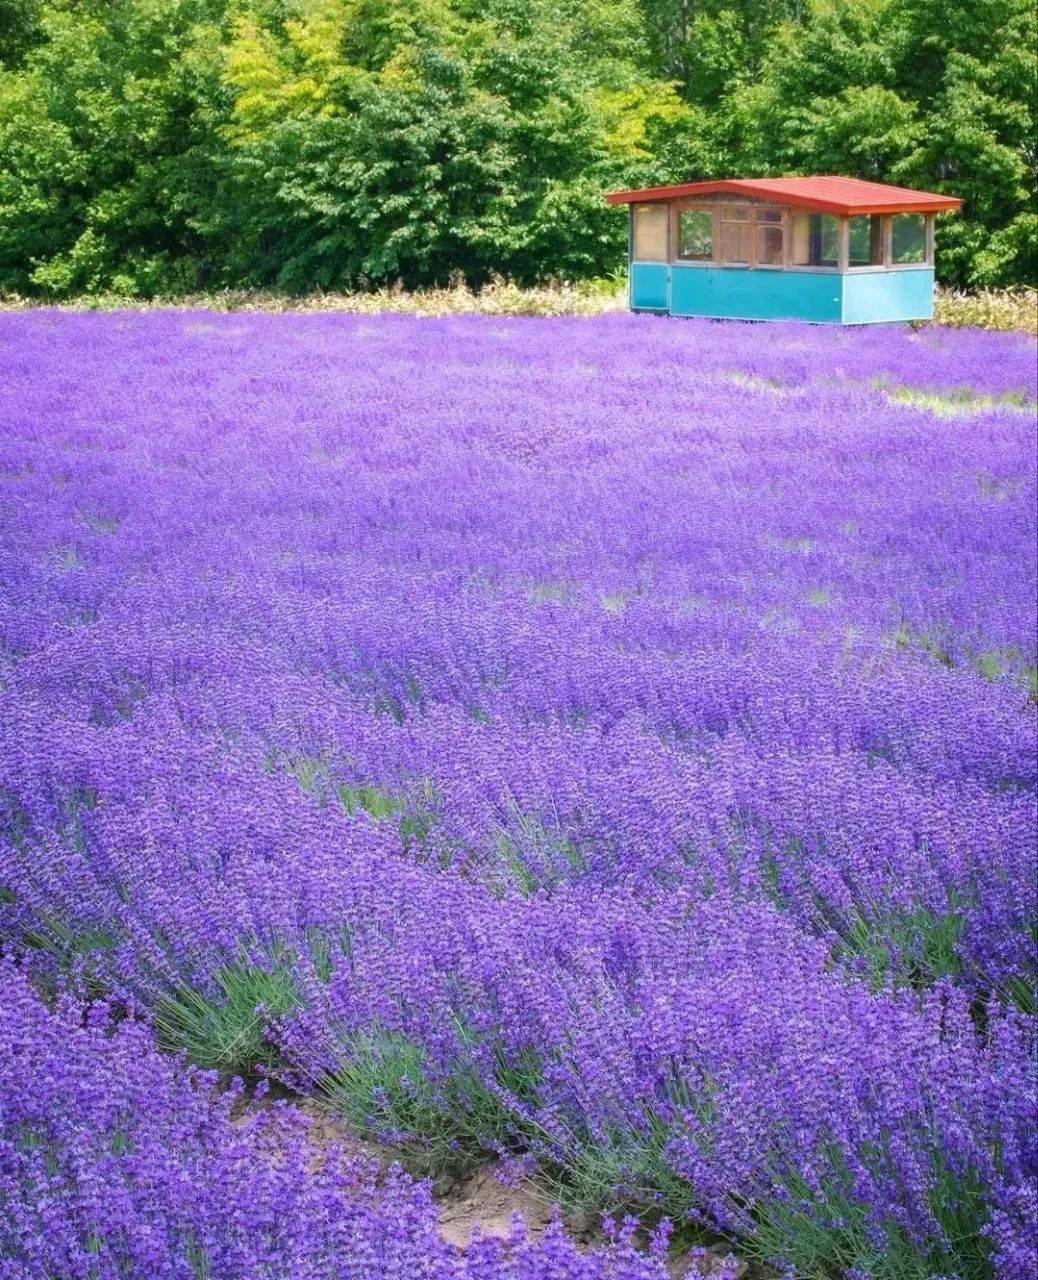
[{"x": 161, "y": 146}]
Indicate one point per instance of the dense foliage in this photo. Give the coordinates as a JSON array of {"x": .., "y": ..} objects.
[
  {"x": 527, "y": 738},
  {"x": 164, "y": 145}
]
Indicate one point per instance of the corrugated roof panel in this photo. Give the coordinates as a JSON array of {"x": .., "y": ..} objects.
[{"x": 830, "y": 194}]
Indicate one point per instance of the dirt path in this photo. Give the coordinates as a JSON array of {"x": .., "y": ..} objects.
[{"x": 486, "y": 1201}]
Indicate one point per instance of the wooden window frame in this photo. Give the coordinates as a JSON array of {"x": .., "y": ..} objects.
[
  {"x": 888, "y": 263},
  {"x": 786, "y": 227},
  {"x": 715, "y": 208},
  {"x": 927, "y": 261},
  {"x": 843, "y": 243},
  {"x": 866, "y": 268},
  {"x": 632, "y": 238},
  {"x": 679, "y": 207},
  {"x": 884, "y": 234},
  {"x": 750, "y": 223}
]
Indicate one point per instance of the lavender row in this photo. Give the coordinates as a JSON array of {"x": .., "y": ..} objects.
[
  {"x": 116, "y": 1161},
  {"x": 608, "y": 743}
]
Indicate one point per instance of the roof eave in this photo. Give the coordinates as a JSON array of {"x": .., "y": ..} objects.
[
  {"x": 655, "y": 193},
  {"x": 647, "y": 195},
  {"x": 929, "y": 206}
]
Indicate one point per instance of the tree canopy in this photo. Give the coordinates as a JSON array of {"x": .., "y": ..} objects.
[{"x": 164, "y": 145}]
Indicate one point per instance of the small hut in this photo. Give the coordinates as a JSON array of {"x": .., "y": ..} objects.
[{"x": 831, "y": 250}]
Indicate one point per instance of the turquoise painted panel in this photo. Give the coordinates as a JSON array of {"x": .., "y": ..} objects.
[
  {"x": 649, "y": 282},
  {"x": 877, "y": 296},
  {"x": 732, "y": 293}
]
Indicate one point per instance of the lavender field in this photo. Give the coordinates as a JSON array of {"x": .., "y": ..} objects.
[{"x": 604, "y": 745}]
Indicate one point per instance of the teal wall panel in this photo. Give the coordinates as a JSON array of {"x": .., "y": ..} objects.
[
  {"x": 825, "y": 297},
  {"x": 649, "y": 286},
  {"x": 738, "y": 294},
  {"x": 876, "y": 296}
]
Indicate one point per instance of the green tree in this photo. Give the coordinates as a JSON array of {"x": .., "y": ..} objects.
[
  {"x": 19, "y": 29},
  {"x": 980, "y": 127},
  {"x": 919, "y": 92},
  {"x": 417, "y": 141},
  {"x": 112, "y": 116},
  {"x": 711, "y": 47},
  {"x": 162, "y": 145}
]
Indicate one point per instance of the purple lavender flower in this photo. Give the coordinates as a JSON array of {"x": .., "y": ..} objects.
[{"x": 607, "y": 743}]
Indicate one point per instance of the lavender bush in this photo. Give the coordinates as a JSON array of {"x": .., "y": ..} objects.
[
  {"x": 116, "y": 1161},
  {"x": 609, "y": 742}
]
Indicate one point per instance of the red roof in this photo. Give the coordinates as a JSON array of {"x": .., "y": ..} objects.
[{"x": 829, "y": 194}]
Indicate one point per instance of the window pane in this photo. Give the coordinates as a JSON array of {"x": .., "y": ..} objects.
[
  {"x": 770, "y": 249},
  {"x": 769, "y": 215},
  {"x": 908, "y": 237},
  {"x": 735, "y": 212},
  {"x": 816, "y": 240},
  {"x": 866, "y": 238},
  {"x": 696, "y": 234},
  {"x": 801, "y": 240},
  {"x": 825, "y": 229},
  {"x": 736, "y": 243},
  {"x": 650, "y": 232}
]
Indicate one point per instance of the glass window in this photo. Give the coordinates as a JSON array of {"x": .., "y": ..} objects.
[
  {"x": 735, "y": 234},
  {"x": 696, "y": 235},
  {"x": 770, "y": 245},
  {"x": 908, "y": 238},
  {"x": 735, "y": 243},
  {"x": 866, "y": 241},
  {"x": 816, "y": 240},
  {"x": 650, "y": 232},
  {"x": 769, "y": 215}
]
